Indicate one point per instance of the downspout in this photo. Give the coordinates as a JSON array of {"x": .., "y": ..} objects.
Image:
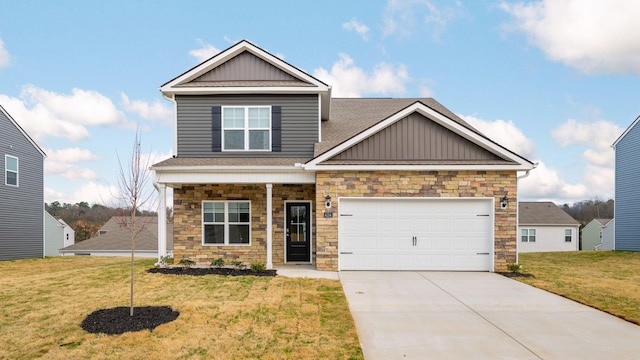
[{"x": 518, "y": 178}]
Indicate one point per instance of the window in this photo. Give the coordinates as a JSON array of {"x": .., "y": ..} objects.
[
  {"x": 226, "y": 222},
  {"x": 528, "y": 235},
  {"x": 567, "y": 235},
  {"x": 11, "y": 170},
  {"x": 246, "y": 128}
]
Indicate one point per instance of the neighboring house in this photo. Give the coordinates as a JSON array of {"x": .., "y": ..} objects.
[
  {"x": 598, "y": 235},
  {"x": 21, "y": 192},
  {"x": 113, "y": 239},
  {"x": 269, "y": 168},
  {"x": 543, "y": 226},
  {"x": 57, "y": 235},
  {"x": 627, "y": 187}
]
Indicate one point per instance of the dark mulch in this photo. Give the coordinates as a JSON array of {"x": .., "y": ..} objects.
[
  {"x": 117, "y": 320},
  {"x": 514, "y": 274},
  {"x": 196, "y": 271}
]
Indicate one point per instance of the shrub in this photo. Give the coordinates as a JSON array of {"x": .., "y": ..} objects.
[
  {"x": 218, "y": 263},
  {"x": 514, "y": 267},
  {"x": 258, "y": 267},
  {"x": 187, "y": 262},
  {"x": 165, "y": 260},
  {"x": 239, "y": 264}
]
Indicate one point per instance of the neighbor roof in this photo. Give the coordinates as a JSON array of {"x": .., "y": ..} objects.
[
  {"x": 543, "y": 213},
  {"x": 603, "y": 221},
  {"x": 118, "y": 238}
]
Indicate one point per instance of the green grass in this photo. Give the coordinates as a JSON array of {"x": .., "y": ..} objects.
[
  {"x": 45, "y": 300},
  {"x": 605, "y": 280}
]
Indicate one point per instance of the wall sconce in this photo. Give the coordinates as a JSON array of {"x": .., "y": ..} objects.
[
  {"x": 504, "y": 202},
  {"x": 327, "y": 202}
]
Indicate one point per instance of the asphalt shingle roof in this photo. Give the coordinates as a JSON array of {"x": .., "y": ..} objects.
[{"x": 543, "y": 213}]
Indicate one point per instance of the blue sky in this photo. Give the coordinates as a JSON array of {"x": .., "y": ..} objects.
[{"x": 554, "y": 80}]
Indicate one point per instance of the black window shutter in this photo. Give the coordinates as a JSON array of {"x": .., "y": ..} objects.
[
  {"x": 276, "y": 128},
  {"x": 216, "y": 128}
]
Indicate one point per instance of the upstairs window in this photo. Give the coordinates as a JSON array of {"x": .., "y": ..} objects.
[
  {"x": 246, "y": 128},
  {"x": 528, "y": 235},
  {"x": 568, "y": 235},
  {"x": 11, "y": 170}
]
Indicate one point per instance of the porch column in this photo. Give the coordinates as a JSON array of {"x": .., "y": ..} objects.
[
  {"x": 162, "y": 221},
  {"x": 269, "y": 227}
]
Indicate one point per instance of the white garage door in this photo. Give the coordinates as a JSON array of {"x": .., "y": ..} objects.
[{"x": 415, "y": 234}]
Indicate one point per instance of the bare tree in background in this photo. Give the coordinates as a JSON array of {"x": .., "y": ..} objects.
[{"x": 135, "y": 193}]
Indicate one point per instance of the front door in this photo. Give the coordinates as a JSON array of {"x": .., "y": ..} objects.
[{"x": 298, "y": 231}]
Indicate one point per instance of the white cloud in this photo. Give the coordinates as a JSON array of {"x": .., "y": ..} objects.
[
  {"x": 593, "y": 36},
  {"x": 360, "y": 28},
  {"x": 61, "y": 162},
  {"x": 71, "y": 155},
  {"x": 5, "y": 59},
  {"x": 348, "y": 80},
  {"x": 544, "y": 183},
  {"x": 45, "y": 113},
  {"x": 408, "y": 17},
  {"x": 504, "y": 133},
  {"x": 205, "y": 51},
  {"x": 154, "y": 111}
]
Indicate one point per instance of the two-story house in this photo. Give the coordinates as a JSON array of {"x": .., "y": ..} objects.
[
  {"x": 627, "y": 189},
  {"x": 21, "y": 192},
  {"x": 269, "y": 168}
]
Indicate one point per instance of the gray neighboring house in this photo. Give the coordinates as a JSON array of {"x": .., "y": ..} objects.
[
  {"x": 598, "y": 235},
  {"x": 543, "y": 226},
  {"x": 115, "y": 240},
  {"x": 627, "y": 185},
  {"x": 21, "y": 192},
  {"x": 58, "y": 234}
]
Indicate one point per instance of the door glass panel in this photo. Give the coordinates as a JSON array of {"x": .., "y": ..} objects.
[{"x": 298, "y": 223}]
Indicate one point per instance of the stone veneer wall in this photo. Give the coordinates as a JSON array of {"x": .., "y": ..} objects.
[
  {"x": 187, "y": 221},
  {"x": 494, "y": 184}
]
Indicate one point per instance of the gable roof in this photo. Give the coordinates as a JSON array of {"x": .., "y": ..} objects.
[
  {"x": 15, "y": 123},
  {"x": 633, "y": 124},
  {"x": 603, "y": 222},
  {"x": 245, "y": 68},
  {"x": 118, "y": 238},
  {"x": 543, "y": 213},
  {"x": 355, "y": 120}
]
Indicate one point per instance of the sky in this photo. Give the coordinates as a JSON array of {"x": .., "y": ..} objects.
[{"x": 556, "y": 81}]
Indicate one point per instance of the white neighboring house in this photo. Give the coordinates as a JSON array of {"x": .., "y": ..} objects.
[
  {"x": 57, "y": 235},
  {"x": 543, "y": 226}
]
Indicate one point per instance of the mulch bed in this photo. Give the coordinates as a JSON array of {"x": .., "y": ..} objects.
[
  {"x": 198, "y": 271},
  {"x": 514, "y": 274},
  {"x": 117, "y": 321}
]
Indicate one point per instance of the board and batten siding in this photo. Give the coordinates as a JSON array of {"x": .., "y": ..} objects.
[
  {"x": 416, "y": 138},
  {"x": 245, "y": 67},
  {"x": 299, "y": 124},
  {"x": 627, "y": 185},
  {"x": 22, "y": 207}
]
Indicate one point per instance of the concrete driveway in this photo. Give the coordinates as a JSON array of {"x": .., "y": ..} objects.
[{"x": 468, "y": 315}]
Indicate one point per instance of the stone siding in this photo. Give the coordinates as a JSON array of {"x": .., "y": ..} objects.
[
  {"x": 439, "y": 184},
  {"x": 187, "y": 221}
]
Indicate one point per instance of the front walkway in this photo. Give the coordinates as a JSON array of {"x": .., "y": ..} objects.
[{"x": 467, "y": 315}]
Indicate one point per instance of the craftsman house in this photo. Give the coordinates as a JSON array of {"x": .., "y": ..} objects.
[{"x": 269, "y": 168}]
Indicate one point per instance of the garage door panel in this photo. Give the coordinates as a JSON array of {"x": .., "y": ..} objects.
[{"x": 423, "y": 234}]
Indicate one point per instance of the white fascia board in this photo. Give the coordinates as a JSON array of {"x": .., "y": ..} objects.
[
  {"x": 633, "y": 124},
  {"x": 238, "y": 175},
  {"x": 373, "y": 167},
  {"x": 232, "y": 52},
  {"x": 438, "y": 118},
  {"x": 242, "y": 90}
]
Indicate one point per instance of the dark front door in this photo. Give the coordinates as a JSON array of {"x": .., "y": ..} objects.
[{"x": 298, "y": 231}]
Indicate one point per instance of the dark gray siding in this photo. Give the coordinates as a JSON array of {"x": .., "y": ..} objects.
[
  {"x": 245, "y": 66},
  {"x": 299, "y": 124},
  {"x": 416, "y": 138},
  {"x": 627, "y": 201},
  {"x": 22, "y": 207}
]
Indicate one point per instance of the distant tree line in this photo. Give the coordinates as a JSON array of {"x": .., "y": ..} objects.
[
  {"x": 86, "y": 220},
  {"x": 587, "y": 210}
]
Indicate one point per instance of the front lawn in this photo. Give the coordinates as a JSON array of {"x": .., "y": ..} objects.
[
  {"x": 606, "y": 280},
  {"x": 45, "y": 300}
]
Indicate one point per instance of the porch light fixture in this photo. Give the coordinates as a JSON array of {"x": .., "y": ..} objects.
[
  {"x": 327, "y": 202},
  {"x": 504, "y": 202}
]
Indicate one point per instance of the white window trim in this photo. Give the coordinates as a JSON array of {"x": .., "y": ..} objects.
[
  {"x": 528, "y": 235},
  {"x": 246, "y": 128},
  {"x": 570, "y": 235},
  {"x": 226, "y": 222},
  {"x": 6, "y": 170}
]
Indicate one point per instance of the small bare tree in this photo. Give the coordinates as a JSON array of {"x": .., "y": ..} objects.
[{"x": 135, "y": 193}]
